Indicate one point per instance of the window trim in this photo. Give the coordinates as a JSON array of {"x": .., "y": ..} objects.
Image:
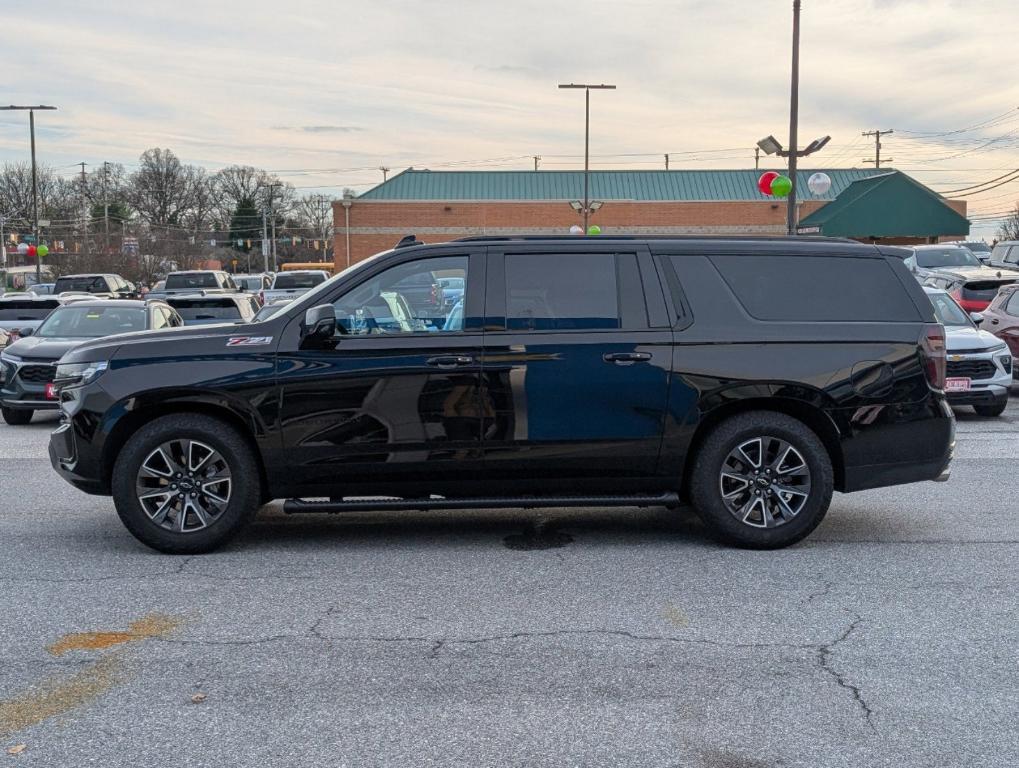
[
  {"x": 495, "y": 320},
  {"x": 476, "y": 271}
]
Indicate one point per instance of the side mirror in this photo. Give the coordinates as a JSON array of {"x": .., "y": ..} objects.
[
  {"x": 319, "y": 322},
  {"x": 26, "y": 332},
  {"x": 976, "y": 317}
]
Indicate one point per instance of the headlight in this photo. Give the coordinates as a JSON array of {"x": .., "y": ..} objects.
[
  {"x": 78, "y": 374},
  {"x": 999, "y": 348}
]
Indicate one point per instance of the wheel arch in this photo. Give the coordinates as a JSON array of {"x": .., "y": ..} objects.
[
  {"x": 137, "y": 412},
  {"x": 811, "y": 414}
]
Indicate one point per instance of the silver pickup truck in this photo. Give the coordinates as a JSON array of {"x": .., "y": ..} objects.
[
  {"x": 290, "y": 285},
  {"x": 204, "y": 281}
]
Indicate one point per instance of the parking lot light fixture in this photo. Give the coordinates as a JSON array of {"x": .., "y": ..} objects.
[{"x": 586, "y": 212}]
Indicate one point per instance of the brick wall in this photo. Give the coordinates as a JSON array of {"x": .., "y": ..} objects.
[{"x": 378, "y": 225}]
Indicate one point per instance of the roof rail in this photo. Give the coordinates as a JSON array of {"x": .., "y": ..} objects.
[
  {"x": 408, "y": 240},
  {"x": 574, "y": 238}
]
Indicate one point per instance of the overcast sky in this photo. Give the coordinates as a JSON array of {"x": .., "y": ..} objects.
[{"x": 320, "y": 88}]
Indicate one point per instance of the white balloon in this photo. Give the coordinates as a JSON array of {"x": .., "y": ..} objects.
[
  {"x": 576, "y": 229},
  {"x": 22, "y": 248},
  {"x": 819, "y": 183}
]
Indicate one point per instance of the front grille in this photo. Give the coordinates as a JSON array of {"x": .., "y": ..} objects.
[
  {"x": 37, "y": 374},
  {"x": 971, "y": 369}
]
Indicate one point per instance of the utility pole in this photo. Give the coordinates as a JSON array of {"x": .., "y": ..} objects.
[
  {"x": 587, "y": 140},
  {"x": 666, "y": 161},
  {"x": 106, "y": 206},
  {"x": 265, "y": 243},
  {"x": 86, "y": 218},
  {"x": 35, "y": 184},
  {"x": 323, "y": 202},
  {"x": 794, "y": 116},
  {"x": 385, "y": 173},
  {"x": 272, "y": 214},
  {"x": 877, "y": 146},
  {"x": 536, "y": 159},
  {"x": 757, "y": 158}
]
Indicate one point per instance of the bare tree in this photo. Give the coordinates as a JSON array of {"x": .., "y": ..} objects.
[
  {"x": 163, "y": 189},
  {"x": 1009, "y": 229}
]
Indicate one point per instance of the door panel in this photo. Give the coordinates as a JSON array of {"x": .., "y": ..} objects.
[
  {"x": 387, "y": 402},
  {"x": 570, "y": 395}
]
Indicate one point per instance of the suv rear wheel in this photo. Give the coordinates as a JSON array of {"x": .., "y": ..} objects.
[
  {"x": 186, "y": 484},
  {"x": 990, "y": 411},
  {"x": 16, "y": 417},
  {"x": 761, "y": 480}
]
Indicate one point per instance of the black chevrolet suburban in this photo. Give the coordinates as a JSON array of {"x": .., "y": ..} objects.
[{"x": 750, "y": 377}]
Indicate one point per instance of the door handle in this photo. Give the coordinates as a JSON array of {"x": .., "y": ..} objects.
[
  {"x": 450, "y": 361},
  {"x": 994, "y": 322},
  {"x": 626, "y": 358}
]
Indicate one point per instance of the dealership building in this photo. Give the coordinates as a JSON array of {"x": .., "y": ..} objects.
[{"x": 870, "y": 205}]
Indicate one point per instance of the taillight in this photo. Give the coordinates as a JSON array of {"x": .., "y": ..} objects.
[
  {"x": 261, "y": 297},
  {"x": 932, "y": 344},
  {"x": 15, "y": 335}
]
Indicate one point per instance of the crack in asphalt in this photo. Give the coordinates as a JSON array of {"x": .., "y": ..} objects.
[
  {"x": 825, "y": 654},
  {"x": 823, "y": 592}
]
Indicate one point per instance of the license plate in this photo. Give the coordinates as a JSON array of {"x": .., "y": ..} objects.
[
  {"x": 51, "y": 392},
  {"x": 957, "y": 385}
]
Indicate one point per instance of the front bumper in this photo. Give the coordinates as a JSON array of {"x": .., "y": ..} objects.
[
  {"x": 991, "y": 385},
  {"x": 20, "y": 394}
]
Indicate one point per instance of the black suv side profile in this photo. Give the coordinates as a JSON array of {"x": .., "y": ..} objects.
[{"x": 750, "y": 377}]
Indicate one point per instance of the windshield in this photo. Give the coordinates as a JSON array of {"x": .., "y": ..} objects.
[
  {"x": 26, "y": 310},
  {"x": 269, "y": 310},
  {"x": 932, "y": 258},
  {"x": 978, "y": 247},
  {"x": 91, "y": 322},
  {"x": 207, "y": 309},
  {"x": 87, "y": 284},
  {"x": 948, "y": 312},
  {"x": 192, "y": 280},
  {"x": 299, "y": 280}
]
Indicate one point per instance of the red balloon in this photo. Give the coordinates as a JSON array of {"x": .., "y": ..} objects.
[
  {"x": 31, "y": 250},
  {"x": 764, "y": 183}
]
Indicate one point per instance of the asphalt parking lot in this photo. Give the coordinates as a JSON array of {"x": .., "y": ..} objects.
[{"x": 578, "y": 637}]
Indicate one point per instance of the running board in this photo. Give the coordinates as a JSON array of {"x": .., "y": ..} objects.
[{"x": 367, "y": 504}]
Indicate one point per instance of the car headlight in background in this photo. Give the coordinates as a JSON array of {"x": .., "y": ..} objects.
[{"x": 78, "y": 374}]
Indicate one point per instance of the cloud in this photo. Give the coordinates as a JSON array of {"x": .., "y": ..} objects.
[{"x": 319, "y": 128}]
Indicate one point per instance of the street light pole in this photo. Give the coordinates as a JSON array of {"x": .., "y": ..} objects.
[
  {"x": 35, "y": 187},
  {"x": 587, "y": 141},
  {"x": 794, "y": 115}
]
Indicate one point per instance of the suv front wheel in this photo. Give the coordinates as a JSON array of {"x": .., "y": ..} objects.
[
  {"x": 762, "y": 480},
  {"x": 16, "y": 417},
  {"x": 186, "y": 484}
]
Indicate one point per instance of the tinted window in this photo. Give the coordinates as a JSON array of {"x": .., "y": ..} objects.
[
  {"x": 206, "y": 309},
  {"x": 87, "y": 284},
  {"x": 816, "y": 288},
  {"x": 933, "y": 258},
  {"x": 26, "y": 310},
  {"x": 404, "y": 299},
  {"x": 191, "y": 280},
  {"x": 1011, "y": 308},
  {"x": 92, "y": 322},
  {"x": 299, "y": 280},
  {"x": 561, "y": 291},
  {"x": 947, "y": 311}
]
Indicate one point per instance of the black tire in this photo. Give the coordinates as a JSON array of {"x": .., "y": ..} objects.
[
  {"x": 16, "y": 417},
  {"x": 245, "y": 491},
  {"x": 991, "y": 411},
  {"x": 706, "y": 482}
]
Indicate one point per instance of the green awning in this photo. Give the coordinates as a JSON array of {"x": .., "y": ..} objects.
[{"x": 889, "y": 205}]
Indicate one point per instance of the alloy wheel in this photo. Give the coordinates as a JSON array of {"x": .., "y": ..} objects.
[
  {"x": 184, "y": 485},
  {"x": 765, "y": 482}
]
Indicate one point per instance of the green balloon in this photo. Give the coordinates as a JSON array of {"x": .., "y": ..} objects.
[
  {"x": 782, "y": 186},
  {"x": 594, "y": 229},
  {"x": 42, "y": 250}
]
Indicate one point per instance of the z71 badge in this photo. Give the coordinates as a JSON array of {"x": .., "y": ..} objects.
[{"x": 248, "y": 341}]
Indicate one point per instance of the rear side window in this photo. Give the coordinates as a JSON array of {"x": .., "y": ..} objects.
[
  {"x": 561, "y": 291},
  {"x": 298, "y": 280},
  {"x": 1012, "y": 307},
  {"x": 191, "y": 280},
  {"x": 86, "y": 284},
  {"x": 817, "y": 288},
  {"x": 207, "y": 309},
  {"x": 26, "y": 310}
]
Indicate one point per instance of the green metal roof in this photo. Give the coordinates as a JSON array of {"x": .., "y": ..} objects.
[
  {"x": 682, "y": 185},
  {"x": 889, "y": 205}
]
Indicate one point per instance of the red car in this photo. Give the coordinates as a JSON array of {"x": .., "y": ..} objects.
[{"x": 1002, "y": 317}]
